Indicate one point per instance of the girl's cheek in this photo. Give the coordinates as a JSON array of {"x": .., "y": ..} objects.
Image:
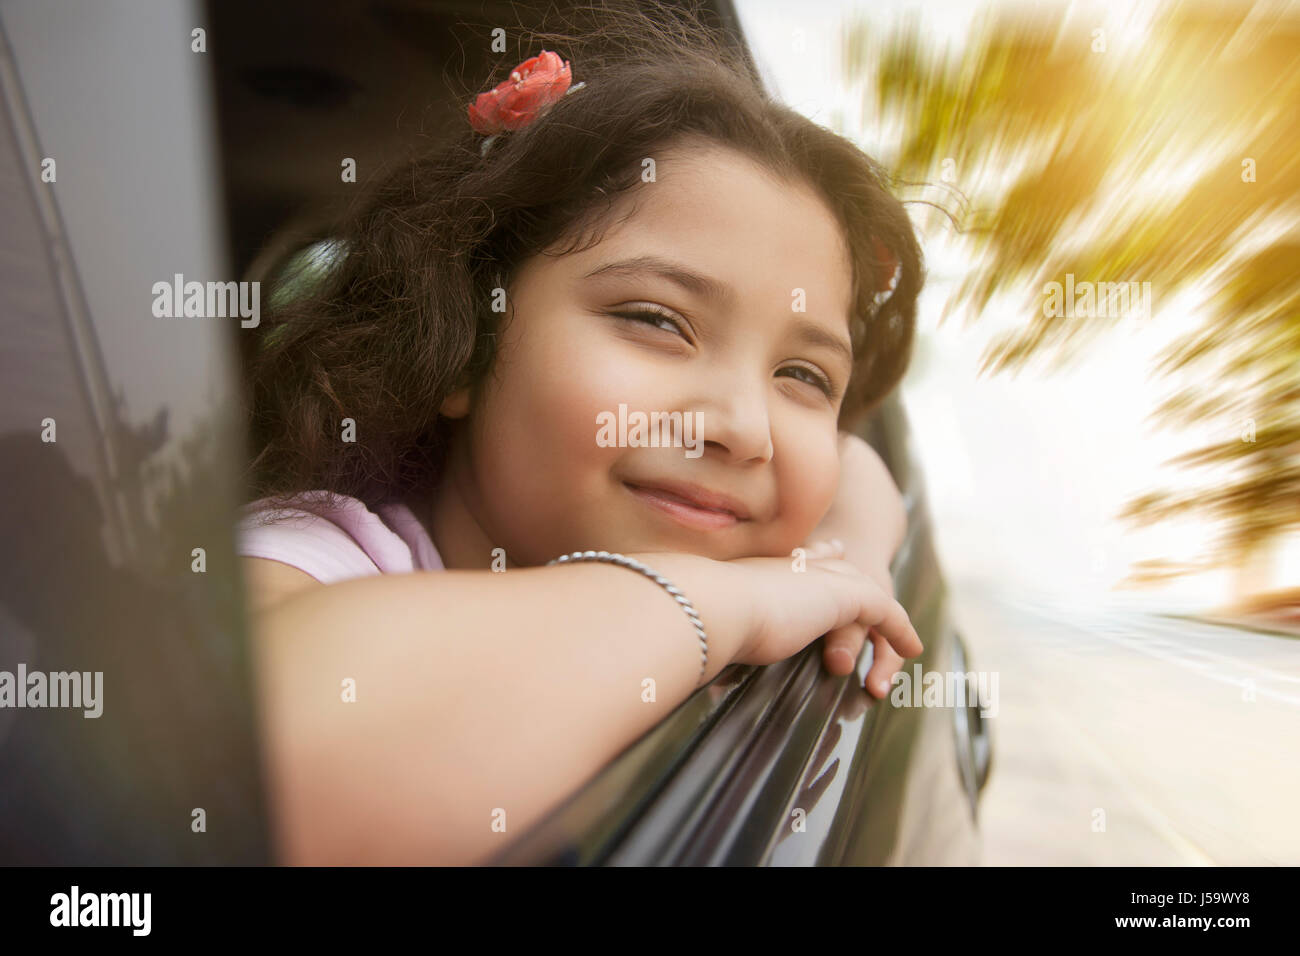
[
  {"x": 554, "y": 429},
  {"x": 809, "y": 483},
  {"x": 595, "y": 385}
]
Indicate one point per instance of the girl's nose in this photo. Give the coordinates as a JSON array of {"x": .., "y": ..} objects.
[{"x": 734, "y": 418}]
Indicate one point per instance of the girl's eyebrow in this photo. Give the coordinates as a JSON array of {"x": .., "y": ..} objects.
[
  {"x": 815, "y": 335},
  {"x": 716, "y": 291},
  {"x": 698, "y": 284}
]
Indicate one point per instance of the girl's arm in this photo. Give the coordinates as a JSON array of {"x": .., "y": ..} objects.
[
  {"x": 868, "y": 513},
  {"x": 869, "y": 517},
  {"x": 403, "y": 713}
]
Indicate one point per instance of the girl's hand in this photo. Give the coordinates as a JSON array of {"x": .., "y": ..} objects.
[
  {"x": 792, "y": 603},
  {"x": 843, "y": 645},
  {"x": 867, "y": 523}
]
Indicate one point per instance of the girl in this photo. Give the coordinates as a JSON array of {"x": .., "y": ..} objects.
[{"x": 661, "y": 238}]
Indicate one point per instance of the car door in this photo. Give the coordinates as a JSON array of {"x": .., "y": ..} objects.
[{"x": 118, "y": 577}]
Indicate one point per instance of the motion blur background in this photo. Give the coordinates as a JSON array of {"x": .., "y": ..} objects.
[{"x": 1091, "y": 477}]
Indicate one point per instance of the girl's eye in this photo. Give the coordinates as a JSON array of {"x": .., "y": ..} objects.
[
  {"x": 815, "y": 378},
  {"x": 663, "y": 320},
  {"x": 652, "y": 317}
]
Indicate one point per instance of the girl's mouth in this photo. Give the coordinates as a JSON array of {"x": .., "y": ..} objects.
[{"x": 684, "y": 512}]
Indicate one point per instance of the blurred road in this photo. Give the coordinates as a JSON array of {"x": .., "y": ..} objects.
[{"x": 1129, "y": 738}]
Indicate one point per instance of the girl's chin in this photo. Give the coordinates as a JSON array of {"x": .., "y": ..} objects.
[{"x": 719, "y": 554}]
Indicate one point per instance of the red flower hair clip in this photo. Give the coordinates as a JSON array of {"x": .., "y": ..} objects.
[{"x": 514, "y": 103}]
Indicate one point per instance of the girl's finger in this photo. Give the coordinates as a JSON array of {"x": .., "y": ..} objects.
[
  {"x": 891, "y": 622},
  {"x": 842, "y": 647},
  {"x": 885, "y": 663}
]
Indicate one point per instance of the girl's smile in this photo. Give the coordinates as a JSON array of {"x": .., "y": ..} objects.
[
  {"x": 691, "y": 506},
  {"x": 718, "y": 292}
]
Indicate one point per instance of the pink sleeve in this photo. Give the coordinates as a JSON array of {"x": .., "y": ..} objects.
[{"x": 308, "y": 542}]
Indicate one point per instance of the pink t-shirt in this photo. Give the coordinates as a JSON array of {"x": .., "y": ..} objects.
[{"x": 335, "y": 543}]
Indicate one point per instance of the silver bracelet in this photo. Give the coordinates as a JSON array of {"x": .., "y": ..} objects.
[{"x": 624, "y": 561}]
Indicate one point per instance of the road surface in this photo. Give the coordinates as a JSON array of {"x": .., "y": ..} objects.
[{"x": 1130, "y": 738}]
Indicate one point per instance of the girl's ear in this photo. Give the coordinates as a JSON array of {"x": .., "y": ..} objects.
[{"x": 455, "y": 405}]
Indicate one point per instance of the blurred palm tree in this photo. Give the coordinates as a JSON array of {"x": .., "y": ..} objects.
[{"x": 1168, "y": 155}]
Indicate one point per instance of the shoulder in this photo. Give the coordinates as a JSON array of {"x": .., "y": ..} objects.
[
  {"x": 862, "y": 466},
  {"x": 857, "y": 454},
  {"x": 330, "y": 537},
  {"x": 268, "y": 582}
]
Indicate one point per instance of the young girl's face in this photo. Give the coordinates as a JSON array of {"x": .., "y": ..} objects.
[{"x": 751, "y": 281}]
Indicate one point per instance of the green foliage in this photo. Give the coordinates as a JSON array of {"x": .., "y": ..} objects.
[{"x": 1128, "y": 164}]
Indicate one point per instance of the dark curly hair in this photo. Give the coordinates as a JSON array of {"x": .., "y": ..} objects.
[{"x": 402, "y": 316}]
